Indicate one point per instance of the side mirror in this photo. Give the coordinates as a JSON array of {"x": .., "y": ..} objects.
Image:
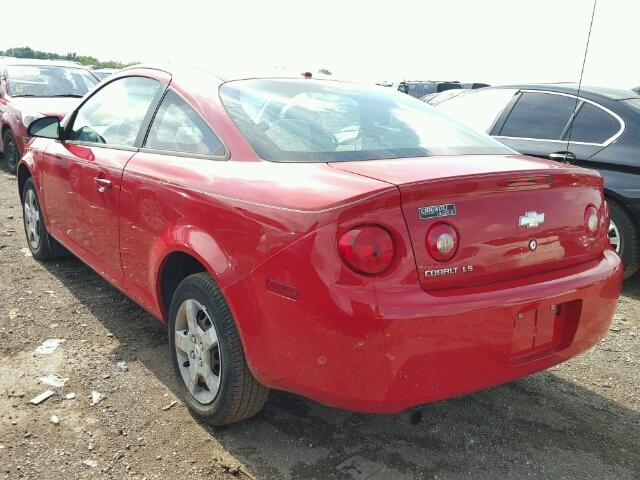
[{"x": 45, "y": 127}]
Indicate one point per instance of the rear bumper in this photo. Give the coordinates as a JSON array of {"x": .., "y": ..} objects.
[{"x": 386, "y": 351}]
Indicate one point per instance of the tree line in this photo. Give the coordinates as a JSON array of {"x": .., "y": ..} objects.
[{"x": 27, "y": 52}]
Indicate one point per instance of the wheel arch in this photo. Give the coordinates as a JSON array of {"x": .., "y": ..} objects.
[
  {"x": 174, "y": 261},
  {"x": 613, "y": 195},
  {"x": 23, "y": 173},
  {"x": 173, "y": 268}
]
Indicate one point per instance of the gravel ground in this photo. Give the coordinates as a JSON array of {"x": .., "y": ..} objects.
[{"x": 578, "y": 420}]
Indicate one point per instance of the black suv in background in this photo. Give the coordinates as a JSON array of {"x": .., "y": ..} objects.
[{"x": 603, "y": 134}]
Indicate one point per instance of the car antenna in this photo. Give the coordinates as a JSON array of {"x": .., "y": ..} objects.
[{"x": 584, "y": 61}]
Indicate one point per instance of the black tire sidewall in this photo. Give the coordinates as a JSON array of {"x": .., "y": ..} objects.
[
  {"x": 628, "y": 231},
  {"x": 12, "y": 164},
  {"x": 190, "y": 288}
]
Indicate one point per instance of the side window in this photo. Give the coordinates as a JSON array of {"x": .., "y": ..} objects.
[
  {"x": 477, "y": 109},
  {"x": 428, "y": 88},
  {"x": 539, "y": 115},
  {"x": 114, "y": 115},
  {"x": 593, "y": 125},
  {"x": 178, "y": 128},
  {"x": 413, "y": 89}
]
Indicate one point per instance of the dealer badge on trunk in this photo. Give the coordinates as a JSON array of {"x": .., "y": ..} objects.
[{"x": 437, "y": 211}]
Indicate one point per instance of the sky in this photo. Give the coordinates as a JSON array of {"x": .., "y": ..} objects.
[{"x": 492, "y": 41}]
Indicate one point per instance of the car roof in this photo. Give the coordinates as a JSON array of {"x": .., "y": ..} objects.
[{"x": 585, "y": 90}]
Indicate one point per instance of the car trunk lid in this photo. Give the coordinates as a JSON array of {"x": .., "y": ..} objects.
[{"x": 498, "y": 205}]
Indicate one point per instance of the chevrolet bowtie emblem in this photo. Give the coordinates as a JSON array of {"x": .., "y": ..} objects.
[{"x": 531, "y": 219}]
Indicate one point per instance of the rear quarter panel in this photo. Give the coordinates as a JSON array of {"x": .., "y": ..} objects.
[{"x": 231, "y": 215}]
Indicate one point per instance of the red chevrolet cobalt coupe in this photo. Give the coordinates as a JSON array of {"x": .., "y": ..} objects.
[{"x": 346, "y": 243}]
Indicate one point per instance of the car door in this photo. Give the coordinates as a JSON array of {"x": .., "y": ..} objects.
[
  {"x": 536, "y": 124},
  {"x": 82, "y": 174},
  {"x": 181, "y": 150}
]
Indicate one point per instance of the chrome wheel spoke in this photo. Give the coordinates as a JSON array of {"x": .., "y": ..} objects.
[
  {"x": 192, "y": 379},
  {"x": 210, "y": 339},
  {"x": 184, "y": 342},
  {"x": 192, "y": 316},
  {"x": 212, "y": 381}
]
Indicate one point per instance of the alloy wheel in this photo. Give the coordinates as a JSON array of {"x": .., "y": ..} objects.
[
  {"x": 614, "y": 237},
  {"x": 32, "y": 219},
  {"x": 11, "y": 154},
  {"x": 198, "y": 352}
]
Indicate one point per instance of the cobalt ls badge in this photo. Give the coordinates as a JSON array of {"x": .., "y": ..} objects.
[{"x": 437, "y": 211}]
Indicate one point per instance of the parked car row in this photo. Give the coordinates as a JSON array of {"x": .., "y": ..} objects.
[
  {"x": 343, "y": 242},
  {"x": 600, "y": 130},
  {"x": 104, "y": 73},
  {"x": 421, "y": 88},
  {"x": 30, "y": 89}
]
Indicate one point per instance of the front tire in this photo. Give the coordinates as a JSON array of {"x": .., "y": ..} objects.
[
  {"x": 41, "y": 244},
  {"x": 208, "y": 357},
  {"x": 11, "y": 152},
  {"x": 624, "y": 238}
]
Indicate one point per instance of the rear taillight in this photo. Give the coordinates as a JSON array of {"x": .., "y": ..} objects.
[
  {"x": 591, "y": 220},
  {"x": 367, "y": 249},
  {"x": 442, "y": 242}
]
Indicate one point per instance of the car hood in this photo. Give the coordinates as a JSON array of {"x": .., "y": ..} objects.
[{"x": 48, "y": 106}]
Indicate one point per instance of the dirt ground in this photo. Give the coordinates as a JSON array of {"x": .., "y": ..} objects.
[{"x": 578, "y": 420}]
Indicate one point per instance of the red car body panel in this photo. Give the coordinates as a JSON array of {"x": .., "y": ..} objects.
[{"x": 267, "y": 233}]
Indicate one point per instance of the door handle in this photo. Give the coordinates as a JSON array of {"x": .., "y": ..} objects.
[
  {"x": 102, "y": 184},
  {"x": 562, "y": 156}
]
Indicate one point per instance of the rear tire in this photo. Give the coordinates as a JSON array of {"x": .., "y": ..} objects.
[
  {"x": 11, "y": 152},
  {"x": 626, "y": 230},
  {"x": 42, "y": 246},
  {"x": 208, "y": 357}
]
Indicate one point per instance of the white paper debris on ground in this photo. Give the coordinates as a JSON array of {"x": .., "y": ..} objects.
[
  {"x": 167, "y": 407},
  {"x": 13, "y": 314},
  {"x": 55, "y": 419},
  {"x": 96, "y": 397},
  {"x": 26, "y": 251},
  {"x": 42, "y": 397},
  {"x": 122, "y": 366},
  {"x": 49, "y": 346},
  {"x": 54, "y": 380},
  {"x": 91, "y": 463},
  {"x": 70, "y": 396}
]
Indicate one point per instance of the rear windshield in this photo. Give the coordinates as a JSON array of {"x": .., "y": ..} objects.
[
  {"x": 48, "y": 81},
  {"x": 322, "y": 121}
]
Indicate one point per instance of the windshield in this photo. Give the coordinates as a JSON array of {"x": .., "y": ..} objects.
[
  {"x": 48, "y": 81},
  {"x": 307, "y": 120}
]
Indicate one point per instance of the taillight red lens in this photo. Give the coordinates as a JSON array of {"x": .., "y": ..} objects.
[
  {"x": 367, "y": 249},
  {"x": 442, "y": 242},
  {"x": 591, "y": 220}
]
